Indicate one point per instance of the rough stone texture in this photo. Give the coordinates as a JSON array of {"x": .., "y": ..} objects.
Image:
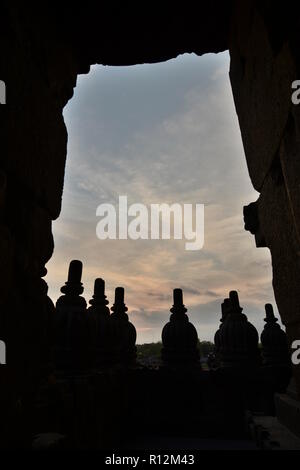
[
  {"x": 270, "y": 434},
  {"x": 261, "y": 83},
  {"x": 289, "y": 153},
  {"x": 281, "y": 237},
  {"x": 33, "y": 137},
  {"x": 264, "y": 62}
]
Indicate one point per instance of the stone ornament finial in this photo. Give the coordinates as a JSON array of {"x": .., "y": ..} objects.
[
  {"x": 123, "y": 333},
  {"x": 270, "y": 317},
  {"x": 71, "y": 330},
  {"x": 73, "y": 286},
  {"x": 178, "y": 308},
  {"x": 119, "y": 308},
  {"x": 235, "y": 302},
  {"x": 273, "y": 340},
  {"x": 99, "y": 326},
  {"x": 99, "y": 287},
  {"x": 226, "y": 309},
  {"x": 99, "y": 301},
  {"x": 237, "y": 339},
  {"x": 179, "y": 336}
]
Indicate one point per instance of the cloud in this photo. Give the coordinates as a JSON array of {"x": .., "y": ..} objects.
[{"x": 160, "y": 133}]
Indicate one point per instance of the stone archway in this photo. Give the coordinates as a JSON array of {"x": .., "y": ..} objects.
[{"x": 44, "y": 50}]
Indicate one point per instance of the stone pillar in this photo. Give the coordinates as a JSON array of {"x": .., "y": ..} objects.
[
  {"x": 99, "y": 326},
  {"x": 276, "y": 362},
  {"x": 123, "y": 333},
  {"x": 226, "y": 309},
  {"x": 71, "y": 349},
  {"x": 179, "y": 336},
  {"x": 238, "y": 338},
  {"x": 274, "y": 341}
]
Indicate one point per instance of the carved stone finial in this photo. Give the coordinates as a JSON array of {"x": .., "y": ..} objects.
[
  {"x": 179, "y": 336},
  {"x": 177, "y": 296},
  {"x": 123, "y": 333},
  {"x": 73, "y": 286},
  {"x": 99, "y": 287},
  {"x": 99, "y": 326},
  {"x": 270, "y": 317},
  {"x": 235, "y": 302},
  {"x": 99, "y": 300},
  {"x": 71, "y": 323},
  {"x": 237, "y": 339},
  {"x": 178, "y": 308},
  {"x": 226, "y": 309},
  {"x": 273, "y": 340},
  {"x": 119, "y": 308},
  {"x": 119, "y": 295}
]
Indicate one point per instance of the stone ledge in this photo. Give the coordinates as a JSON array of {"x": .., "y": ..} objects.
[
  {"x": 270, "y": 434},
  {"x": 288, "y": 412}
]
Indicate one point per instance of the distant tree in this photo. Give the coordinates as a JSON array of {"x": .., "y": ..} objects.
[
  {"x": 147, "y": 350},
  {"x": 206, "y": 347}
]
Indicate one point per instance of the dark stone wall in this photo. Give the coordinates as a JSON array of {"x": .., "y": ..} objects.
[
  {"x": 264, "y": 63},
  {"x": 39, "y": 73}
]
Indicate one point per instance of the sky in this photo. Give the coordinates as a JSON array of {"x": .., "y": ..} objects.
[{"x": 161, "y": 133}]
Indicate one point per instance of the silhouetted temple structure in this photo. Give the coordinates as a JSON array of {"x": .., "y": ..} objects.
[
  {"x": 43, "y": 50},
  {"x": 70, "y": 321},
  {"x": 274, "y": 341},
  {"x": 98, "y": 318},
  {"x": 179, "y": 336},
  {"x": 123, "y": 333},
  {"x": 225, "y": 308},
  {"x": 237, "y": 340},
  {"x": 95, "y": 358}
]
